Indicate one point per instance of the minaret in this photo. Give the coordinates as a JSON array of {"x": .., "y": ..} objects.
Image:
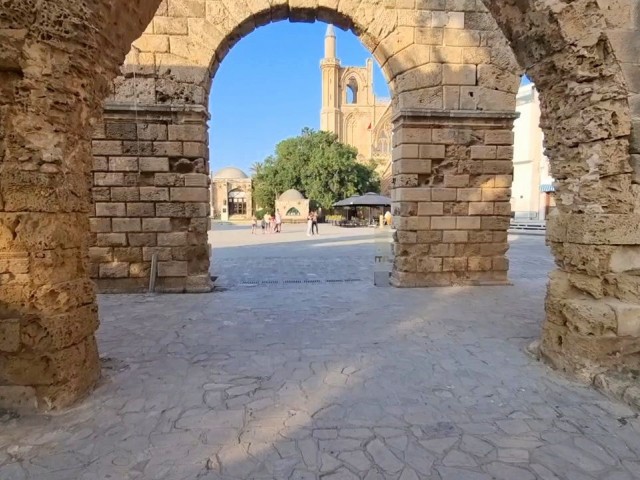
[{"x": 330, "y": 67}]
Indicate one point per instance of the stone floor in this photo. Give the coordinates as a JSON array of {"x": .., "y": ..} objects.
[{"x": 301, "y": 369}]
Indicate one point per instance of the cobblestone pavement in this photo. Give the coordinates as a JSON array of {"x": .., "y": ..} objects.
[{"x": 327, "y": 380}]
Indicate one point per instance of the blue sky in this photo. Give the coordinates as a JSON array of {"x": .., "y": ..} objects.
[{"x": 268, "y": 88}]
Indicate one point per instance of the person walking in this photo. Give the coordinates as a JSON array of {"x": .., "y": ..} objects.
[
  {"x": 254, "y": 224},
  {"x": 278, "y": 222},
  {"x": 309, "y": 225},
  {"x": 273, "y": 224},
  {"x": 314, "y": 222}
]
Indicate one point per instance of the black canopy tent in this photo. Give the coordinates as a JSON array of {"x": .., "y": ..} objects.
[{"x": 367, "y": 200}]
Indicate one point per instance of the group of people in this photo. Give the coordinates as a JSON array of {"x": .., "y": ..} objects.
[
  {"x": 268, "y": 224},
  {"x": 312, "y": 224}
]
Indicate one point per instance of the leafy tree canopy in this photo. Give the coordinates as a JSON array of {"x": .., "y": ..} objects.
[{"x": 316, "y": 164}]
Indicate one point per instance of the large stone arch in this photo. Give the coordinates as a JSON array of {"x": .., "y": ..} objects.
[{"x": 59, "y": 57}]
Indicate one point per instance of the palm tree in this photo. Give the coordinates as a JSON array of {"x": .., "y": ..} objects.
[{"x": 255, "y": 168}]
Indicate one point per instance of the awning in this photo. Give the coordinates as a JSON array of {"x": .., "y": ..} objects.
[{"x": 547, "y": 187}]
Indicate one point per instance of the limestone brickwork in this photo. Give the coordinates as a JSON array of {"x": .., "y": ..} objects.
[
  {"x": 150, "y": 197},
  {"x": 457, "y": 58},
  {"x": 452, "y": 175}
]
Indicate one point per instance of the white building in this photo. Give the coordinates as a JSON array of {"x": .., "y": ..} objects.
[{"x": 531, "y": 196}]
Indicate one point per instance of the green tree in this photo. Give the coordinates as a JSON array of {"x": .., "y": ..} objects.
[{"x": 317, "y": 165}]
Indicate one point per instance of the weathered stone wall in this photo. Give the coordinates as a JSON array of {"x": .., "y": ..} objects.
[
  {"x": 57, "y": 59},
  {"x": 150, "y": 197},
  {"x": 452, "y": 173}
]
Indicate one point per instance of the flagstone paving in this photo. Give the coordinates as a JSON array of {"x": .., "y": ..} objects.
[{"x": 332, "y": 380}]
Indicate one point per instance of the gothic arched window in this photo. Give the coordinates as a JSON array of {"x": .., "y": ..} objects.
[{"x": 352, "y": 91}]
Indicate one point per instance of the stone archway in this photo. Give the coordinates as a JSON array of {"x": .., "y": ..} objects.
[{"x": 451, "y": 108}]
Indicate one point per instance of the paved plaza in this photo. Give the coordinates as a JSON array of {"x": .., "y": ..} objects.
[{"x": 299, "y": 368}]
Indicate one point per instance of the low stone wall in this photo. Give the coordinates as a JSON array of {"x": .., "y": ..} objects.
[{"x": 150, "y": 197}]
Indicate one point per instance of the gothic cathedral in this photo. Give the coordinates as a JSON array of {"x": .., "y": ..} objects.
[{"x": 351, "y": 110}]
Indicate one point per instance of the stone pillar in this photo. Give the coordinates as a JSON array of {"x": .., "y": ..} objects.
[
  {"x": 48, "y": 312},
  {"x": 452, "y": 174},
  {"x": 151, "y": 196},
  {"x": 593, "y": 299}
]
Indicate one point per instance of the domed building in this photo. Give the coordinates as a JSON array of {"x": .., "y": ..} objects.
[
  {"x": 293, "y": 207},
  {"x": 231, "y": 195}
]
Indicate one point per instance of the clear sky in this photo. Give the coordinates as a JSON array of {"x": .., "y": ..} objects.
[{"x": 268, "y": 88}]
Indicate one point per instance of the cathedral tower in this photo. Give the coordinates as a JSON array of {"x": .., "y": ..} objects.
[{"x": 330, "y": 66}]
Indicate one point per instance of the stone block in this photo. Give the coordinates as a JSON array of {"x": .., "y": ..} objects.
[
  {"x": 430, "y": 208},
  {"x": 154, "y": 194},
  {"x": 443, "y": 223},
  {"x": 18, "y": 398},
  {"x": 443, "y": 194},
  {"x": 497, "y": 166},
  {"x": 100, "y": 225},
  {"x": 498, "y": 137},
  {"x": 429, "y": 265},
  {"x": 100, "y": 164},
  {"x": 120, "y": 131},
  {"x": 454, "y": 264},
  {"x": 194, "y": 149},
  {"x": 482, "y": 152},
  {"x": 188, "y": 194},
  {"x": 163, "y": 253},
  {"x": 156, "y": 224},
  {"x": 196, "y": 180},
  {"x": 140, "y": 210},
  {"x": 170, "y": 26},
  {"x": 173, "y": 269},
  {"x": 461, "y": 38},
  {"x": 469, "y": 194},
  {"x": 127, "y": 255},
  {"x": 125, "y": 194},
  {"x": 142, "y": 239},
  {"x": 101, "y": 194},
  {"x": 168, "y": 149},
  {"x": 9, "y": 335},
  {"x": 479, "y": 264},
  {"x": 432, "y": 151},
  {"x": 455, "y": 236},
  {"x": 456, "y": 181},
  {"x": 126, "y": 224},
  {"x": 405, "y": 151},
  {"x": 446, "y": 55},
  {"x": 505, "y": 153},
  {"x": 187, "y": 133},
  {"x": 413, "y": 165},
  {"x": 627, "y": 318},
  {"x": 114, "y": 270},
  {"x": 502, "y": 181},
  {"x": 101, "y": 254},
  {"x": 173, "y": 239},
  {"x": 169, "y": 179},
  {"x": 111, "y": 240},
  {"x": 468, "y": 223},
  {"x": 139, "y": 270},
  {"x": 496, "y": 194},
  {"x": 154, "y": 164},
  {"x": 152, "y": 131},
  {"x": 415, "y": 194},
  {"x": 101, "y": 179},
  {"x": 459, "y": 74},
  {"x": 106, "y": 147},
  {"x": 495, "y": 223},
  {"x": 111, "y": 210},
  {"x": 123, "y": 164}
]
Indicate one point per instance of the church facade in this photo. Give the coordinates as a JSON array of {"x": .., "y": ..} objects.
[{"x": 351, "y": 110}]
